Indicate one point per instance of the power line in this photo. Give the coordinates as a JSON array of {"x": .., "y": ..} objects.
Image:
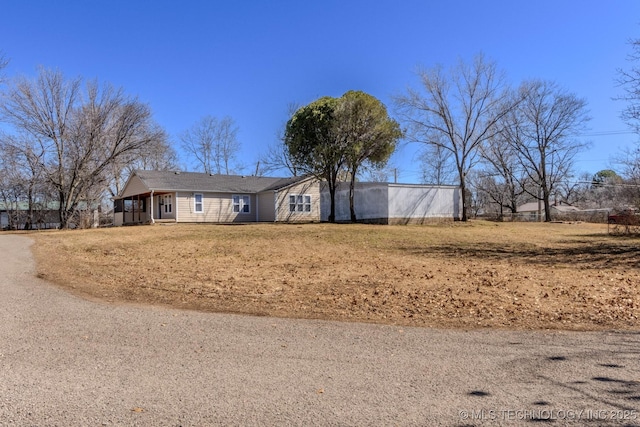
[{"x": 609, "y": 133}]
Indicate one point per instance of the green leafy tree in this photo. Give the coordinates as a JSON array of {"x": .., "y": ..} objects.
[
  {"x": 312, "y": 142},
  {"x": 331, "y": 136},
  {"x": 367, "y": 133},
  {"x": 605, "y": 177}
]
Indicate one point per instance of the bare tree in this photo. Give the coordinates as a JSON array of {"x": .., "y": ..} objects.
[
  {"x": 543, "y": 130},
  {"x": 379, "y": 172},
  {"x": 574, "y": 190},
  {"x": 12, "y": 182},
  {"x": 213, "y": 144},
  {"x": 80, "y": 133},
  {"x": 629, "y": 159},
  {"x": 437, "y": 165},
  {"x": 3, "y": 63},
  {"x": 629, "y": 162},
  {"x": 457, "y": 112},
  {"x": 502, "y": 177},
  {"x": 159, "y": 154},
  {"x": 481, "y": 192},
  {"x": 23, "y": 188},
  {"x": 629, "y": 80},
  {"x": 277, "y": 158}
]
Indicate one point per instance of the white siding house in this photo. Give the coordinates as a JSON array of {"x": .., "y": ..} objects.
[{"x": 167, "y": 196}]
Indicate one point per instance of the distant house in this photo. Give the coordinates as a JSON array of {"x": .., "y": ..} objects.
[
  {"x": 45, "y": 215},
  {"x": 530, "y": 210},
  {"x": 387, "y": 203},
  {"x": 16, "y": 215},
  {"x": 171, "y": 196}
]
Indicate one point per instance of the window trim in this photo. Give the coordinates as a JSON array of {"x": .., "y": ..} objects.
[
  {"x": 241, "y": 204},
  {"x": 196, "y": 203},
  {"x": 296, "y": 204}
]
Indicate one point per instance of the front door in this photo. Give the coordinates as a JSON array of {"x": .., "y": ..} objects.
[{"x": 166, "y": 206}]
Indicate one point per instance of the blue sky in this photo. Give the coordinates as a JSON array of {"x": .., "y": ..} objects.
[{"x": 250, "y": 59}]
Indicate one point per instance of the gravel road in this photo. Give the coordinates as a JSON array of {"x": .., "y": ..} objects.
[{"x": 66, "y": 361}]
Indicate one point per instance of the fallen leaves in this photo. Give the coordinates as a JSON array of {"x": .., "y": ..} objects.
[{"x": 532, "y": 276}]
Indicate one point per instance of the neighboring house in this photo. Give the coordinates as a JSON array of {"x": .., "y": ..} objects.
[
  {"x": 15, "y": 215},
  {"x": 386, "y": 203},
  {"x": 171, "y": 196},
  {"x": 530, "y": 210}
]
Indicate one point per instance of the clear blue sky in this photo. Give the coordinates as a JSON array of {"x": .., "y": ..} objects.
[{"x": 250, "y": 59}]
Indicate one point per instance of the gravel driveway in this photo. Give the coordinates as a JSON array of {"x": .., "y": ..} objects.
[{"x": 66, "y": 361}]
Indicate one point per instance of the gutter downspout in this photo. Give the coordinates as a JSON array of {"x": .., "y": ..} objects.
[
  {"x": 153, "y": 221},
  {"x": 275, "y": 206}
]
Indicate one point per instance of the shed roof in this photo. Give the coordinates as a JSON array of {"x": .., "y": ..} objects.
[{"x": 197, "y": 181}]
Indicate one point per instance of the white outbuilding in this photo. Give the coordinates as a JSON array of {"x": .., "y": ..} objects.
[{"x": 387, "y": 203}]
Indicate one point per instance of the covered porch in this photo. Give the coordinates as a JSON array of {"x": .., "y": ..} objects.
[{"x": 145, "y": 208}]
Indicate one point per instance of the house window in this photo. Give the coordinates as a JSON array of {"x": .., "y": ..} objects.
[
  {"x": 198, "y": 203},
  {"x": 241, "y": 204},
  {"x": 166, "y": 202},
  {"x": 299, "y": 203}
]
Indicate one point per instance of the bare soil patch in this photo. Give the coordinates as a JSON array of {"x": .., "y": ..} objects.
[{"x": 463, "y": 275}]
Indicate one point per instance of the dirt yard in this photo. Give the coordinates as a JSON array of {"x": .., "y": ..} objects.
[{"x": 459, "y": 275}]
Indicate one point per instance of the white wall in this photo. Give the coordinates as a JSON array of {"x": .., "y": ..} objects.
[
  {"x": 370, "y": 202},
  {"x": 422, "y": 202},
  {"x": 395, "y": 203}
]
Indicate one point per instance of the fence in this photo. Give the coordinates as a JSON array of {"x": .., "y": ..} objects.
[{"x": 595, "y": 216}]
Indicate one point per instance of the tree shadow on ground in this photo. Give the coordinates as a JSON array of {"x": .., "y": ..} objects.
[
  {"x": 588, "y": 253},
  {"x": 614, "y": 393}
]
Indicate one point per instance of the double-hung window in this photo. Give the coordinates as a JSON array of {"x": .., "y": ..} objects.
[
  {"x": 299, "y": 203},
  {"x": 241, "y": 204},
  {"x": 198, "y": 203},
  {"x": 166, "y": 202}
]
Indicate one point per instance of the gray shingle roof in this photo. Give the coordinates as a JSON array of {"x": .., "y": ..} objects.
[{"x": 195, "y": 181}]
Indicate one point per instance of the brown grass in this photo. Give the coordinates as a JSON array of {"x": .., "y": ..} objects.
[{"x": 479, "y": 274}]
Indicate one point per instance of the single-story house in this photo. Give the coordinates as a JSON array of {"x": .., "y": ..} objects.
[
  {"x": 45, "y": 215},
  {"x": 386, "y": 203},
  {"x": 530, "y": 210},
  {"x": 14, "y": 215},
  {"x": 173, "y": 196}
]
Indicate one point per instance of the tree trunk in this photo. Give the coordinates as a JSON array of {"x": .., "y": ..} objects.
[
  {"x": 547, "y": 207},
  {"x": 352, "y": 185},
  {"x": 63, "y": 213},
  {"x": 463, "y": 190},
  {"x": 332, "y": 196},
  {"x": 28, "y": 223}
]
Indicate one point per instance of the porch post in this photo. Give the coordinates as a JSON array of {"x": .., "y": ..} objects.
[{"x": 151, "y": 208}]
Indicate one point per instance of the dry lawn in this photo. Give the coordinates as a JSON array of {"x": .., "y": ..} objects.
[{"x": 480, "y": 274}]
